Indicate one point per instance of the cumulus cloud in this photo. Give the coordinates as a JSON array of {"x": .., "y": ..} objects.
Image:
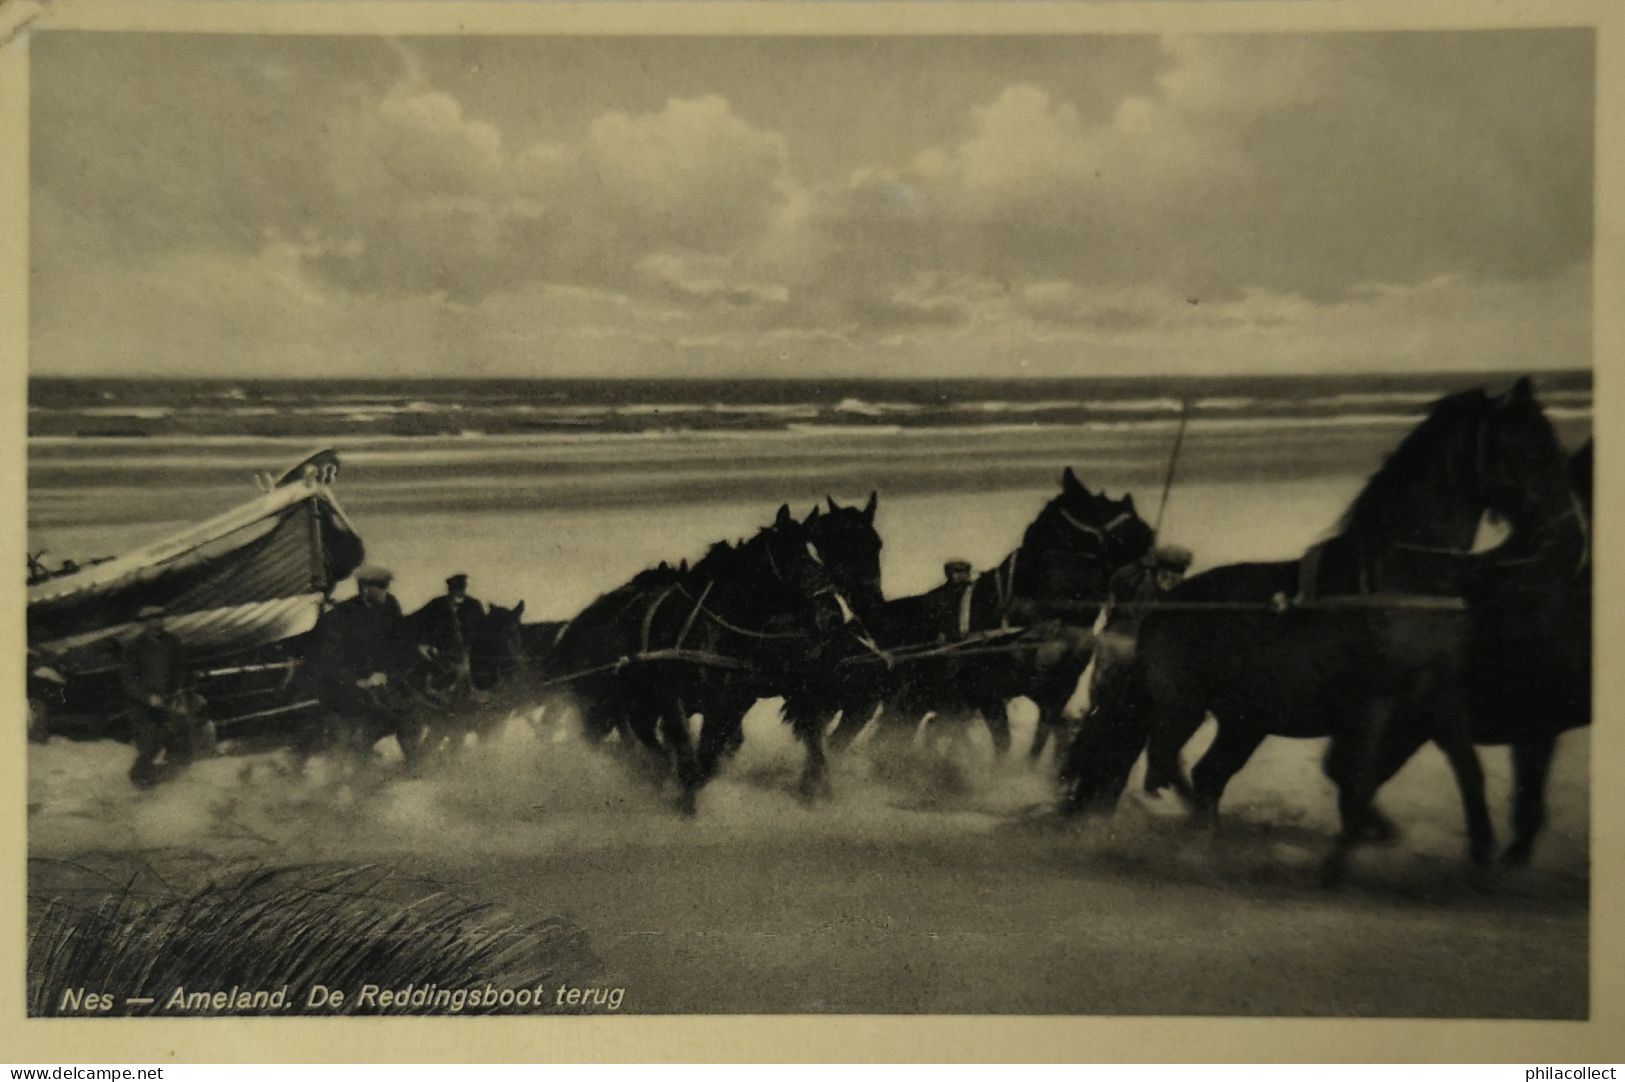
[
  {"x": 428, "y": 198},
  {"x": 1255, "y": 190},
  {"x": 704, "y": 278},
  {"x": 1253, "y": 163},
  {"x": 694, "y": 174}
]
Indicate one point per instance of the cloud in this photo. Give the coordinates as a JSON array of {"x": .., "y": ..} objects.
[
  {"x": 697, "y": 277},
  {"x": 694, "y": 174},
  {"x": 429, "y": 199},
  {"x": 1309, "y": 163},
  {"x": 1255, "y": 190}
]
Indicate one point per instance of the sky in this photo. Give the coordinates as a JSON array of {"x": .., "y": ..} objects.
[{"x": 761, "y": 207}]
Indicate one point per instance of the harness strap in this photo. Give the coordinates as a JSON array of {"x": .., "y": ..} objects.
[
  {"x": 649, "y": 617},
  {"x": 688, "y": 624},
  {"x": 1083, "y": 527}
]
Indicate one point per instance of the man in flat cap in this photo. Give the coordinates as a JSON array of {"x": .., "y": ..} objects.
[
  {"x": 952, "y": 598},
  {"x": 445, "y": 628},
  {"x": 1139, "y": 585},
  {"x": 155, "y": 680},
  {"x": 356, "y": 649}
]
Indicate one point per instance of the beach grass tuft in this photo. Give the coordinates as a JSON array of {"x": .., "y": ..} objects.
[{"x": 290, "y": 926}]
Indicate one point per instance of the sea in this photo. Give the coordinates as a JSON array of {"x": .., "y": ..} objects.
[{"x": 601, "y": 475}]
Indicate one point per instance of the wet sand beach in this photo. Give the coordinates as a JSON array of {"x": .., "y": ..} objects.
[{"x": 932, "y": 884}]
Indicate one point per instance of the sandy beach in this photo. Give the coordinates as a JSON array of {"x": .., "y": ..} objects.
[{"x": 935, "y": 885}]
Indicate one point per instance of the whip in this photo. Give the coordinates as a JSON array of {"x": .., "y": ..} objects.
[{"x": 1173, "y": 463}]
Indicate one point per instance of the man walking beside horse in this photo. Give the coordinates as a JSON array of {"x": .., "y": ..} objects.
[
  {"x": 157, "y": 686},
  {"x": 357, "y": 653},
  {"x": 445, "y": 630}
]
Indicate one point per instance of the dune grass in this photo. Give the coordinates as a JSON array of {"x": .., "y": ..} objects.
[{"x": 293, "y": 926}]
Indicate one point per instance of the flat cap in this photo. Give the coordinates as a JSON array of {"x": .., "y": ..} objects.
[
  {"x": 457, "y": 581},
  {"x": 373, "y": 575},
  {"x": 957, "y": 565},
  {"x": 1176, "y": 556}
]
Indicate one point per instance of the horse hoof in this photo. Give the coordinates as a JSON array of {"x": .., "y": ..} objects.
[
  {"x": 1379, "y": 830},
  {"x": 1516, "y": 856},
  {"x": 688, "y": 805}
]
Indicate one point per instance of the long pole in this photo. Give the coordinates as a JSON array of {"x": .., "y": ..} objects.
[{"x": 1173, "y": 463}]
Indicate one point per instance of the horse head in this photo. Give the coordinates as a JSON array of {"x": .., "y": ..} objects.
[
  {"x": 497, "y": 649},
  {"x": 784, "y": 574},
  {"x": 1520, "y": 468},
  {"x": 850, "y": 547},
  {"x": 1474, "y": 456},
  {"x": 1077, "y": 541}
]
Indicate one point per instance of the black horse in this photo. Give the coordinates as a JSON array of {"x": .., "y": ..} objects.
[
  {"x": 458, "y": 701},
  {"x": 1529, "y": 659},
  {"x": 851, "y": 548},
  {"x": 1364, "y": 639},
  {"x": 1052, "y": 586},
  {"x": 745, "y": 621}
]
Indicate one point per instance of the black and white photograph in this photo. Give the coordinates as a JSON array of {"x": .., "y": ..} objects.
[{"x": 810, "y": 523}]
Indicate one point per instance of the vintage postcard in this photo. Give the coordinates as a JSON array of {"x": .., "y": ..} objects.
[{"x": 1038, "y": 513}]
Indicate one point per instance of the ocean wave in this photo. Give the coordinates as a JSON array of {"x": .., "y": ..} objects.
[
  {"x": 250, "y": 453},
  {"x": 1568, "y": 413},
  {"x": 995, "y": 405},
  {"x": 1377, "y": 398},
  {"x": 874, "y": 409},
  {"x": 369, "y": 406},
  {"x": 1138, "y": 405},
  {"x": 767, "y": 409},
  {"x": 137, "y": 413},
  {"x": 849, "y": 430},
  {"x": 1232, "y": 402}
]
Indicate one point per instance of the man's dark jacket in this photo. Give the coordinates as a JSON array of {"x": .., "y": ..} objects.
[
  {"x": 153, "y": 663},
  {"x": 353, "y": 640},
  {"x": 445, "y": 628}
]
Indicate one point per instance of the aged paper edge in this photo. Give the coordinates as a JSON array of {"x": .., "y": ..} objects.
[{"x": 836, "y": 1037}]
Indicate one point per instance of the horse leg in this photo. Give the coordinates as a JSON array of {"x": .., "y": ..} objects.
[
  {"x": 1171, "y": 728},
  {"x": 1041, "y": 734},
  {"x": 1531, "y": 762},
  {"x": 1050, "y": 694},
  {"x": 1096, "y": 765},
  {"x": 815, "y": 775},
  {"x": 896, "y": 728},
  {"x": 674, "y": 731},
  {"x": 1360, "y": 761},
  {"x": 1463, "y": 756},
  {"x": 722, "y": 729},
  {"x": 996, "y": 716},
  {"x": 1231, "y": 749},
  {"x": 856, "y": 713}
]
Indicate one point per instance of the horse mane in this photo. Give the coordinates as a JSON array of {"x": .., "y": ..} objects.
[
  {"x": 1371, "y": 515},
  {"x": 717, "y": 558},
  {"x": 1040, "y": 520},
  {"x": 1582, "y": 472},
  {"x": 653, "y": 576}
]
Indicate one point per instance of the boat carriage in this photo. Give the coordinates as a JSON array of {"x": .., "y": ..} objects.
[{"x": 242, "y": 591}]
